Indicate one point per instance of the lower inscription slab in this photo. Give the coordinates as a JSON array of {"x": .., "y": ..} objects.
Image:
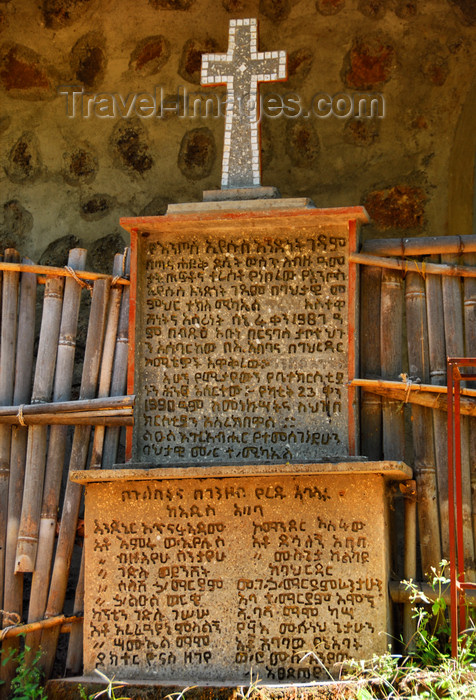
[{"x": 204, "y": 579}]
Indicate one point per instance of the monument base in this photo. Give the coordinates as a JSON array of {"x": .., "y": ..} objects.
[
  {"x": 204, "y": 574},
  {"x": 69, "y": 689},
  {"x": 241, "y": 204},
  {"x": 238, "y": 193}
]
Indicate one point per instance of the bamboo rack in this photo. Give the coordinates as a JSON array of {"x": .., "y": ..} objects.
[
  {"x": 9, "y": 266},
  {"x": 431, "y": 245},
  {"x": 34, "y": 416},
  {"x": 421, "y": 267},
  {"x": 438, "y": 277}
]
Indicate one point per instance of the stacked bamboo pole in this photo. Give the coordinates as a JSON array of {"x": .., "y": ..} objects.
[
  {"x": 79, "y": 453},
  {"x": 422, "y": 424},
  {"x": 391, "y": 331},
  {"x": 437, "y": 354},
  {"x": 7, "y": 373},
  {"x": 37, "y": 462},
  {"x": 119, "y": 371},
  {"x": 371, "y": 404},
  {"x": 13, "y": 592},
  {"x": 75, "y": 645}
]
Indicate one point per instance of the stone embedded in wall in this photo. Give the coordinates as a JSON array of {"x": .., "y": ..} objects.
[
  {"x": 17, "y": 224},
  {"x": 171, "y": 4},
  {"x": 24, "y": 74},
  {"x": 56, "y": 254},
  {"x": 150, "y": 55},
  {"x": 370, "y": 63},
  {"x": 5, "y": 122},
  {"x": 299, "y": 65},
  {"x": 435, "y": 65},
  {"x": 95, "y": 207},
  {"x": 402, "y": 206},
  {"x": 101, "y": 253},
  {"x": 375, "y": 9},
  {"x": 190, "y": 64},
  {"x": 156, "y": 207},
  {"x": 329, "y": 7},
  {"x": 302, "y": 143},
  {"x": 361, "y": 132},
  {"x": 3, "y": 20},
  {"x": 233, "y": 5},
  {"x": 24, "y": 160},
  {"x": 88, "y": 59},
  {"x": 466, "y": 10},
  {"x": 130, "y": 147},
  {"x": 197, "y": 153},
  {"x": 406, "y": 9},
  {"x": 61, "y": 13},
  {"x": 80, "y": 165},
  {"x": 275, "y": 10}
]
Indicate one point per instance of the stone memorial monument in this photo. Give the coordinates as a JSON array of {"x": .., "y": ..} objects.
[{"x": 245, "y": 532}]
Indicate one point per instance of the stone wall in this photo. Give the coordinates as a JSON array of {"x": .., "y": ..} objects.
[{"x": 66, "y": 180}]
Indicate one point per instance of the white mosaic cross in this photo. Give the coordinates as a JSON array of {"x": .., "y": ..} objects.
[{"x": 241, "y": 69}]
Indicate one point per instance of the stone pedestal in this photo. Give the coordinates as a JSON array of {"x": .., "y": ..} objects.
[
  {"x": 200, "y": 575},
  {"x": 243, "y": 342}
]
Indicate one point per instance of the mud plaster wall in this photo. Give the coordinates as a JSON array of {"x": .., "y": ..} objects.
[{"x": 67, "y": 181}]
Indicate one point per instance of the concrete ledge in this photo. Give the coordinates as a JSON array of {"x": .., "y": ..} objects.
[
  {"x": 69, "y": 689},
  {"x": 241, "y": 204},
  {"x": 394, "y": 471},
  {"x": 238, "y": 193}
]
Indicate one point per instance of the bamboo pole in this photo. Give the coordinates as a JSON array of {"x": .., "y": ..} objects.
[
  {"x": 371, "y": 404},
  {"x": 422, "y": 424},
  {"x": 437, "y": 350},
  {"x": 454, "y": 338},
  {"x": 74, "y": 657},
  {"x": 114, "y": 416},
  {"x": 99, "y": 405},
  {"x": 400, "y": 594},
  {"x": 13, "y": 598},
  {"x": 469, "y": 292},
  {"x": 415, "y": 394},
  {"x": 107, "y": 362},
  {"x": 37, "y": 472},
  {"x": 433, "y": 245},
  {"x": 408, "y": 488},
  {"x": 414, "y": 389},
  {"x": 59, "y": 621},
  {"x": 61, "y": 272},
  {"x": 7, "y": 373},
  {"x": 79, "y": 453},
  {"x": 391, "y": 330},
  {"x": 119, "y": 372},
  {"x": 423, "y": 268}
]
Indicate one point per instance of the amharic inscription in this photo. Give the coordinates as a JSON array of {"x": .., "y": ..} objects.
[
  {"x": 200, "y": 579},
  {"x": 243, "y": 348}
]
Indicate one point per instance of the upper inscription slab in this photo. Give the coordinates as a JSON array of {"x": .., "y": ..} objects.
[{"x": 243, "y": 344}]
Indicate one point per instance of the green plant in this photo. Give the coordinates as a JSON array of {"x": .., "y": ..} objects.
[
  {"x": 431, "y": 641},
  {"x": 28, "y": 680},
  {"x": 109, "y": 690},
  {"x": 428, "y": 671},
  {"x": 179, "y": 695}
]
